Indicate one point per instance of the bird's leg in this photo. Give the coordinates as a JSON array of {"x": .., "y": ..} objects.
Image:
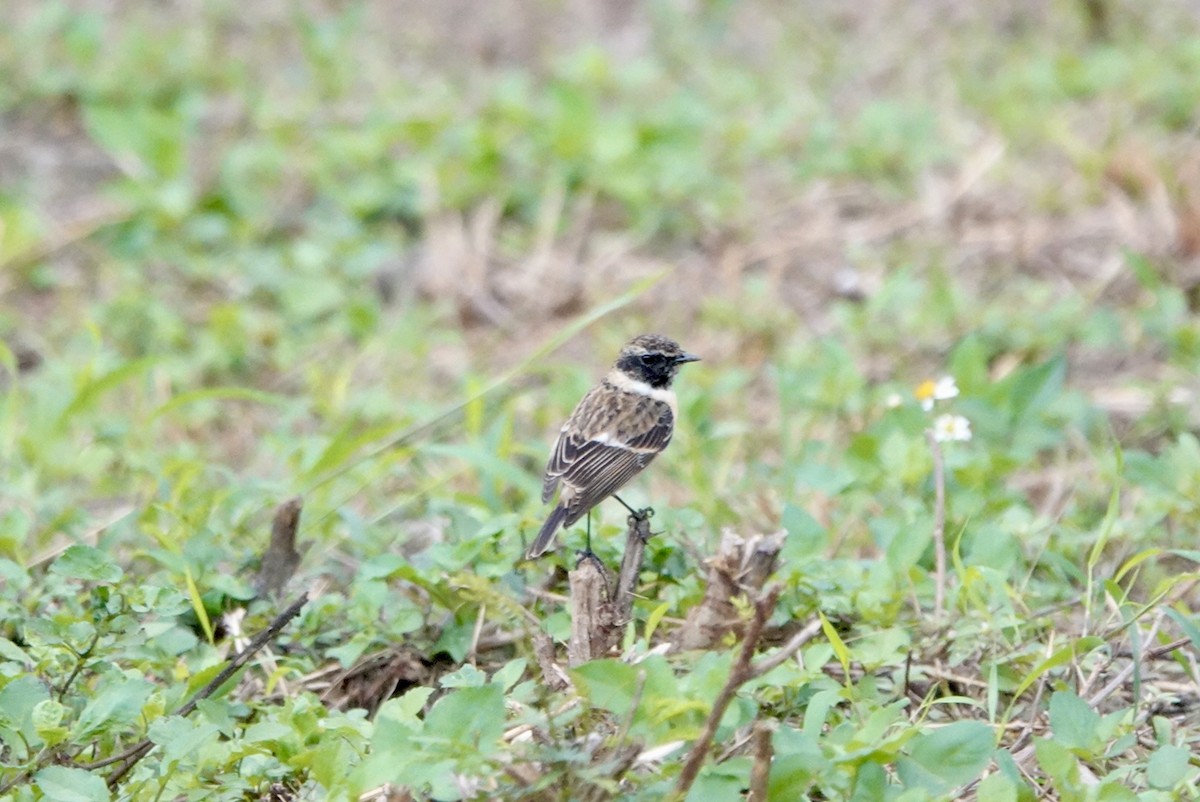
[
  {"x": 587, "y": 544},
  {"x": 587, "y": 553},
  {"x": 638, "y": 515}
]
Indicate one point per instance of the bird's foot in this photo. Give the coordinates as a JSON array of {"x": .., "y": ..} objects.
[
  {"x": 638, "y": 516},
  {"x": 639, "y": 521},
  {"x": 587, "y": 555}
]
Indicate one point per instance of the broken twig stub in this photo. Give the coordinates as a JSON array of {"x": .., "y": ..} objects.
[
  {"x": 281, "y": 558},
  {"x": 740, "y": 567}
]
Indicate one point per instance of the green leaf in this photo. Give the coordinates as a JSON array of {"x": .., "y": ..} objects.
[
  {"x": 608, "y": 684},
  {"x": 654, "y": 618},
  {"x": 818, "y": 709},
  {"x": 118, "y": 704},
  {"x": 180, "y": 737},
  {"x": 151, "y": 137},
  {"x": 1168, "y": 766},
  {"x": 330, "y": 762},
  {"x": 881, "y": 647},
  {"x": 1189, "y": 627},
  {"x": 797, "y": 764},
  {"x": 509, "y": 674},
  {"x": 839, "y": 646},
  {"x": 721, "y": 780},
  {"x": 345, "y": 444},
  {"x": 8, "y": 360},
  {"x": 947, "y": 757},
  {"x": 47, "y": 719},
  {"x": 1008, "y": 768},
  {"x": 968, "y": 364},
  {"x": 993, "y": 690},
  {"x": 1032, "y": 389},
  {"x": 1073, "y": 721},
  {"x": 18, "y": 700},
  {"x": 1115, "y": 791},
  {"x": 1058, "y": 762},
  {"x": 398, "y": 718},
  {"x": 91, "y": 392},
  {"x": 806, "y": 538},
  {"x": 870, "y": 783},
  {"x": 1110, "y": 515},
  {"x": 1059, "y": 658},
  {"x": 217, "y": 711},
  {"x": 466, "y": 677},
  {"x": 268, "y": 731},
  {"x": 471, "y": 716},
  {"x": 87, "y": 563},
  {"x": 11, "y": 651},
  {"x": 217, "y": 394},
  {"x": 996, "y": 788},
  {"x": 198, "y": 605},
  {"x": 63, "y": 784},
  {"x": 1135, "y": 561}
]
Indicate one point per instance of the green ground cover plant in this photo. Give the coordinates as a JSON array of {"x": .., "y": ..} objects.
[{"x": 940, "y": 264}]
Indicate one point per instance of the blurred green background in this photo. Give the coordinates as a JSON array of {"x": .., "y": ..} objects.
[{"x": 372, "y": 253}]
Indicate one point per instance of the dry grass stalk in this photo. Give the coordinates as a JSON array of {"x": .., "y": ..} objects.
[{"x": 939, "y": 527}]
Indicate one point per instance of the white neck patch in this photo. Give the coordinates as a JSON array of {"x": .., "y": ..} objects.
[{"x": 625, "y": 382}]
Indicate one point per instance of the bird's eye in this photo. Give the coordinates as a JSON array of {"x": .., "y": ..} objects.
[{"x": 646, "y": 359}]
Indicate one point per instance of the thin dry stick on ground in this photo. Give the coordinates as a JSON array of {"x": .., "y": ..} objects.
[
  {"x": 744, "y": 670},
  {"x": 131, "y": 756}
]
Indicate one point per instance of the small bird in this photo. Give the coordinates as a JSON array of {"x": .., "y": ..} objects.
[{"x": 615, "y": 431}]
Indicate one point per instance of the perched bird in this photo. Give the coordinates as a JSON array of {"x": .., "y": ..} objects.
[{"x": 615, "y": 431}]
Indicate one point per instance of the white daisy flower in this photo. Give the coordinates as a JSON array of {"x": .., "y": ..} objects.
[
  {"x": 949, "y": 428},
  {"x": 930, "y": 391}
]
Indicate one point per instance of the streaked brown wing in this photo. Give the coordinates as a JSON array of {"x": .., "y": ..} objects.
[
  {"x": 550, "y": 480},
  {"x": 605, "y": 469},
  {"x": 572, "y": 437},
  {"x": 603, "y": 446}
]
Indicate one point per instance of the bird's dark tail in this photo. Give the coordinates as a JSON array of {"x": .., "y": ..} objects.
[{"x": 546, "y": 536}]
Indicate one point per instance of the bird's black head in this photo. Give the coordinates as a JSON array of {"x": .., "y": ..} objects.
[{"x": 653, "y": 359}]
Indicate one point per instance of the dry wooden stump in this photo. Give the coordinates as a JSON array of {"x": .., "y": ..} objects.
[{"x": 600, "y": 610}]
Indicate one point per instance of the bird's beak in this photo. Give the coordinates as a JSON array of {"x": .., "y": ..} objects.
[{"x": 686, "y": 357}]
